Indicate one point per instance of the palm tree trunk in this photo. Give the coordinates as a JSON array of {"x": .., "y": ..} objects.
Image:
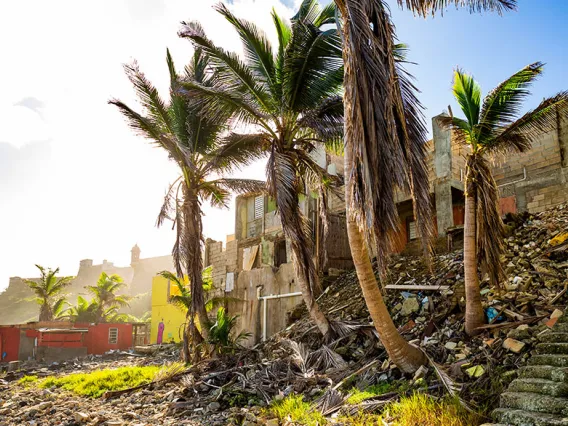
[
  {"x": 406, "y": 356},
  {"x": 474, "y": 316},
  {"x": 193, "y": 260},
  {"x": 314, "y": 310}
]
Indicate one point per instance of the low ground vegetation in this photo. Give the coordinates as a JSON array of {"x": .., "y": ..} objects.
[{"x": 95, "y": 383}]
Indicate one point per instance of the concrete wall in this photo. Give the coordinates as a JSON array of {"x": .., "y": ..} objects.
[
  {"x": 249, "y": 308},
  {"x": 537, "y": 178},
  {"x": 56, "y": 354}
]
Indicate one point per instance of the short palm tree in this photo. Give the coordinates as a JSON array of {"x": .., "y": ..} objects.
[
  {"x": 384, "y": 147},
  {"x": 191, "y": 137},
  {"x": 83, "y": 312},
  {"x": 106, "y": 300},
  {"x": 493, "y": 127},
  {"x": 290, "y": 100},
  {"x": 183, "y": 301},
  {"x": 49, "y": 292}
]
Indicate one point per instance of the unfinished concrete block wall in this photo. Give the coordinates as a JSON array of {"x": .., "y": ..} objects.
[{"x": 536, "y": 178}]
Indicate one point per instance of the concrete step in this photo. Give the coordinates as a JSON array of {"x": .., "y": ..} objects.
[
  {"x": 528, "y": 418},
  {"x": 552, "y": 348},
  {"x": 547, "y": 372},
  {"x": 541, "y": 386},
  {"x": 529, "y": 401},
  {"x": 554, "y": 338},
  {"x": 553, "y": 360}
]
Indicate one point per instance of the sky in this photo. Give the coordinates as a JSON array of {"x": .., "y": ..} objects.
[{"x": 76, "y": 183}]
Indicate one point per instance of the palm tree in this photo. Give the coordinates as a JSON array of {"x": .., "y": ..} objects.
[
  {"x": 83, "y": 312},
  {"x": 290, "y": 100},
  {"x": 183, "y": 301},
  {"x": 48, "y": 291},
  {"x": 192, "y": 140},
  {"x": 384, "y": 147},
  {"x": 493, "y": 127},
  {"x": 106, "y": 300}
]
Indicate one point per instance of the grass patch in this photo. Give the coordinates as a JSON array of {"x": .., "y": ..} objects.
[
  {"x": 27, "y": 380},
  {"x": 422, "y": 410},
  {"x": 95, "y": 383},
  {"x": 294, "y": 409},
  {"x": 358, "y": 396}
]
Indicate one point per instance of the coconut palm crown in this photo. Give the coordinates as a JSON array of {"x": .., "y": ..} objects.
[
  {"x": 494, "y": 126},
  {"x": 289, "y": 97},
  {"x": 49, "y": 292},
  {"x": 191, "y": 137}
]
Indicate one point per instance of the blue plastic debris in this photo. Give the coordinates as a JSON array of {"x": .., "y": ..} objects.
[{"x": 491, "y": 313}]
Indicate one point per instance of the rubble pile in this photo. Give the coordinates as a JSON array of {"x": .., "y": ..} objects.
[{"x": 428, "y": 308}]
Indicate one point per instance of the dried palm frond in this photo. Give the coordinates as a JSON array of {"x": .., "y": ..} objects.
[
  {"x": 332, "y": 400},
  {"x": 325, "y": 358}
]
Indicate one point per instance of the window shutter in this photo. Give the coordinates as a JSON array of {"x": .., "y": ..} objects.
[{"x": 258, "y": 207}]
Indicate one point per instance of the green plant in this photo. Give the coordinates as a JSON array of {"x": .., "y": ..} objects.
[
  {"x": 96, "y": 383},
  {"x": 493, "y": 127},
  {"x": 290, "y": 96},
  {"x": 221, "y": 334},
  {"x": 294, "y": 409},
  {"x": 357, "y": 396},
  {"x": 47, "y": 289},
  {"x": 106, "y": 301},
  {"x": 193, "y": 140},
  {"x": 26, "y": 380},
  {"x": 423, "y": 410}
]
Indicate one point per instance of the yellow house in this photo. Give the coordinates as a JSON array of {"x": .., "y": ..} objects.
[{"x": 172, "y": 317}]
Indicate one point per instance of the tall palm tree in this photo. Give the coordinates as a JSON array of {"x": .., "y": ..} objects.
[
  {"x": 384, "y": 147},
  {"x": 191, "y": 137},
  {"x": 49, "y": 292},
  {"x": 290, "y": 100},
  {"x": 106, "y": 300},
  {"x": 493, "y": 127}
]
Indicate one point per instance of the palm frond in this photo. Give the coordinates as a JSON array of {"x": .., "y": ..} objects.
[
  {"x": 326, "y": 121},
  {"x": 240, "y": 186},
  {"x": 462, "y": 132},
  {"x": 257, "y": 48},
  {"x": 468, "y": 95},
  {"x": 490, "y": 229},
  {"x": 219, "y": 103},
  {"x": 283, "y": 186},
  {"x": 230, "y": 72},
  {"x": 284, "y": 33},
  {"x": 149, "y": 97},
  {"x": 216, "y": 195},
  {"x": 519, "y": 135},
  {"x": 237, "y": 150},
  {"x": 425, "y": 7},
  {"x": 170, "y": 201},
  {"x": 145, "y": 127},
  {"x": 502, "y": 105},
  {"x": 313, "y": 66}
]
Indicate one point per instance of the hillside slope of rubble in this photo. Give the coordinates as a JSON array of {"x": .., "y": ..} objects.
[{"x": 232, "y": 389}]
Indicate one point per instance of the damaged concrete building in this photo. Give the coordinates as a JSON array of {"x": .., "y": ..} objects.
[{"x": 255, "y": 264}]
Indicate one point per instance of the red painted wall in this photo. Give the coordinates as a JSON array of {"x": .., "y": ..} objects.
[
  {"x": 61, "y": 340},
  {"x": 96, "y": 339},
  {"x": 9, "y": 343}
]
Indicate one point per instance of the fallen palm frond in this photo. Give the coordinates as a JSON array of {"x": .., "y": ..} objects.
[
  {"x": 331, "y": 401},
  {"x": 451, "y": 386}
]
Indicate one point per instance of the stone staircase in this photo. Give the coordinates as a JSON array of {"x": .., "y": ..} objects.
[{"x": 539, "y": 396}]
